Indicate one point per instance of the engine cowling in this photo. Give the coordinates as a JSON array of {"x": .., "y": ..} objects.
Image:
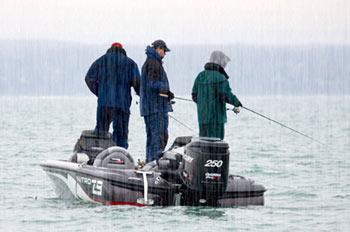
[{"x": 206, "y": 166}]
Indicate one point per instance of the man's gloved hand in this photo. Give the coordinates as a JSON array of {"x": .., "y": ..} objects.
[
  {"x": 170, "y": 95},
  {"x": 194, "y": 97}
]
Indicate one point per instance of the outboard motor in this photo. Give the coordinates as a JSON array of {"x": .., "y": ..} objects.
[
  {"x": 92, "y": 143},
  {"x": 206, "y": 168}
]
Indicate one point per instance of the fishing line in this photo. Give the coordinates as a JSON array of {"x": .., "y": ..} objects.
[
  {"x": 183, "y": 124},
  {"x": 283, "y": 125}
]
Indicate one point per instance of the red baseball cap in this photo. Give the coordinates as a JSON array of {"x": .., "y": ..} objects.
[{"x": 119, "y": 45}]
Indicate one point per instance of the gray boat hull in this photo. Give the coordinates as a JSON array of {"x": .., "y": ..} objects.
[{"x": 187, "y": 174}]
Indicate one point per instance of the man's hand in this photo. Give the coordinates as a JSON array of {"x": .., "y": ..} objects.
[
  {"x": 194, "y": 97},
  {"x": 236, "y": 110},
  {"x": 170, "y": 95}
]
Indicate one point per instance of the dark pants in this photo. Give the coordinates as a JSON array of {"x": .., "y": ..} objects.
[
  {"x": 213, "y": 130},
  {"x": 157, "y": 134},
  {"x": 105, "y": 115}
]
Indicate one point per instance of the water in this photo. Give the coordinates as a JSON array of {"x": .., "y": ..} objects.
[{"x": 308, "y": 184}]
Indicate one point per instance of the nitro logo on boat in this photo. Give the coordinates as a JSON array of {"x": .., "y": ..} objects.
[
  {"x": 96, "y": 184},
  {"x": 212, "y": 176},
  {"x": 187, "y": 158}
]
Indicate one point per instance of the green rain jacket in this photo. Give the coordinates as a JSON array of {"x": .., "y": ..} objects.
[{"x": 211, "y": 91}]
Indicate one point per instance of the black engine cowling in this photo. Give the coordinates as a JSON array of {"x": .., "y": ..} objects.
[{"x": 207, "y": 165}]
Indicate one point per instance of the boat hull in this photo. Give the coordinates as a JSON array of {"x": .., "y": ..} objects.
[{"x": 134, "y": 187}]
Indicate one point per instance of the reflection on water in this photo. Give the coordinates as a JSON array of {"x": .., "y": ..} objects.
[{"x": 209, "y": 212}]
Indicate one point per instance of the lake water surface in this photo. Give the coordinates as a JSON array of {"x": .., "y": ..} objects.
[{"x": 308, "y": 183}]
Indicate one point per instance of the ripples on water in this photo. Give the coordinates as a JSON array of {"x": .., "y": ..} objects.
[{"x": 308, "y": 184}]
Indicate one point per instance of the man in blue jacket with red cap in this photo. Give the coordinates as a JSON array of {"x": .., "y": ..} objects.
[
  {"x": 155, "y": 96},
  {"x": 110, "y": 78}
]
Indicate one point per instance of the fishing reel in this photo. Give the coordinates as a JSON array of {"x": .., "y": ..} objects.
[{"x": 236, "y": 110}]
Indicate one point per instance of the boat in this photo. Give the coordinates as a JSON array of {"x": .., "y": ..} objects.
[{"x": 194, "y": 171}]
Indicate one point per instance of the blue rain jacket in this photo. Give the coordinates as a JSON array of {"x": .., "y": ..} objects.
[
  {"x": 111, "y": 77},
  {"x": 154, "y": 81}
]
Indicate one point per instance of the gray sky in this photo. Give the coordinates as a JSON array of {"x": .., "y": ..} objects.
[{"x": 178, "y": 21}]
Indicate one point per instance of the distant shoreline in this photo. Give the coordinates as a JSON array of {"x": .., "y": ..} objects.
[{"x": 48, "y": 67}]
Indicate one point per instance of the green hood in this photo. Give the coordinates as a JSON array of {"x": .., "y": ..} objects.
[{"x": 208, "y": 77}]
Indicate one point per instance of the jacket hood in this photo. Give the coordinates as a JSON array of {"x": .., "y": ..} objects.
[
  {"x": 208, "y": 77},
  {"x": 216, "y": 67},
  {"x": 218, "y": 57},
  {"x": 152, "y": 53}
]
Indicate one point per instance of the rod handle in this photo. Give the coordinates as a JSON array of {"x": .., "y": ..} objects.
[{"x": 163, "y": 95}]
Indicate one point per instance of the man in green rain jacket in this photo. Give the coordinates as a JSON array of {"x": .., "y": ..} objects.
[{"x": 211, "y": 91}]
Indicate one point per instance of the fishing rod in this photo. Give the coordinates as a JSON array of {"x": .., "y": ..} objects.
[
  {"x": 184, "y": 99},
  {"x": 283, "y": 125},
  {"x": 181, "y": 123},
  {"x": 270, "y": 119},
  {"x": 180, "y": 98}
]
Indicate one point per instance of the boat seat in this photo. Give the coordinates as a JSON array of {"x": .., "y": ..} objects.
[{"x": 115, "y": 157}]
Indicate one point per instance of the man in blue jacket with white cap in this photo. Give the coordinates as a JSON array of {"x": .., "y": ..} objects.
[
  {"x": 110, "y": 78},
  {"x": 155, "y": 96}
]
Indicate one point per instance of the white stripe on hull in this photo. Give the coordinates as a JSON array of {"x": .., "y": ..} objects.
[{"x": 73, "y": 187}]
